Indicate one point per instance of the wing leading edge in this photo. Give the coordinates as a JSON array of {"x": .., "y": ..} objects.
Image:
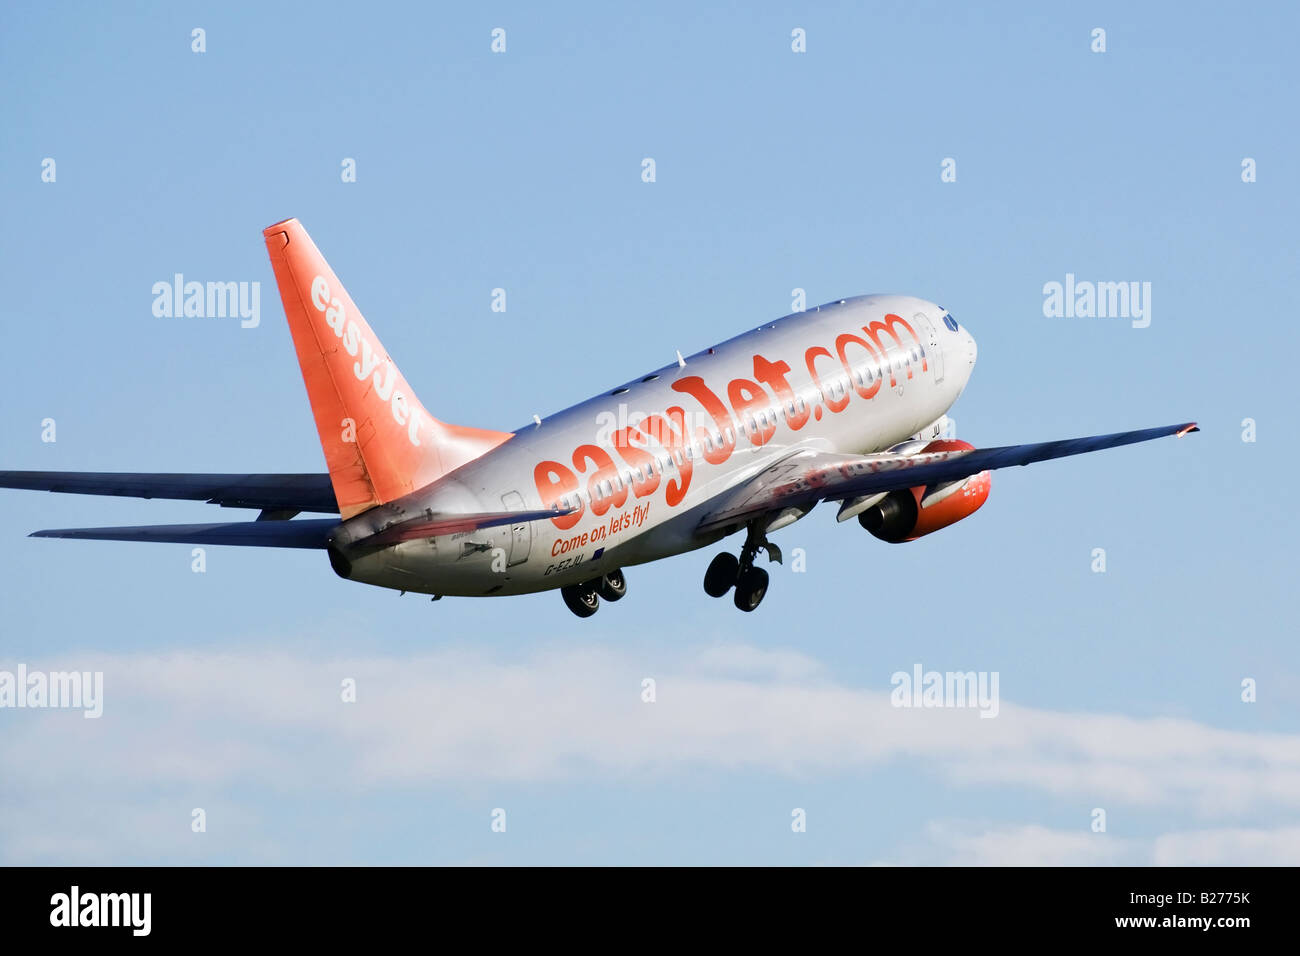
[
  {"x": 306, "y": 533},
  {"x": 300, "y": 492},
  {"x": 804, "y": 478}
]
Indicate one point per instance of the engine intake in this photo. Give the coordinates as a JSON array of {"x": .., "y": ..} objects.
[{"x": 902, "y": 516}]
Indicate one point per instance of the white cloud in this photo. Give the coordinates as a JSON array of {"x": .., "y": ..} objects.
[
  {"x": 1028, "y": 845},
  {"x": 1234, "y": 847},
  {"x": 954, "y": 843},
  {"x": 200, "y": 721}
]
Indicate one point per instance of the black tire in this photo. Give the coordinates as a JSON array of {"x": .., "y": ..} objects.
[
  {"x": 721, "y": 575},
  {"x": 750, "y": 588},
  {"x": 612, "y": 586},
  {"x": 581, "y": 599}
]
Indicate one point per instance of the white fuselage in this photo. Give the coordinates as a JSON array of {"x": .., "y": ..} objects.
[{"x": 641, "y": 464}]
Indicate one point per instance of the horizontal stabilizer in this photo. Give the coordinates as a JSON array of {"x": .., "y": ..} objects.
[
  {"x": 308, "y": 533},
  {"x": 268, "y": 492}
]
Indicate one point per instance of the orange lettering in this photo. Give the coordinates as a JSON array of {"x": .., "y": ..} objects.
[
  {"x": 553, "y": 482},
  {"x": 748, "y": 399},
  {"x": 615, "y": 492},
  {"x": 718, "y": 448},
  {"x": 811, "y": 357}
]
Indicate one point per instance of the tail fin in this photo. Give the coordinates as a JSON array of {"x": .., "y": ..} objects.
[{"x": 379, "y": 441}]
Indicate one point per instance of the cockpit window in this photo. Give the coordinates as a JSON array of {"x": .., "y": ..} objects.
[{"x": 949, "y": 321}]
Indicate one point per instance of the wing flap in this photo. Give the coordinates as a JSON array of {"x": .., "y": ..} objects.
[
  {"x": 308, "y": 533},
  {"x": 292, "y": 492}
]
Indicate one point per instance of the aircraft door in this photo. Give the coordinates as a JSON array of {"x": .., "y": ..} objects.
[
  {"x": 521, "y": 534},
  {"x": 933, "y": 350}
]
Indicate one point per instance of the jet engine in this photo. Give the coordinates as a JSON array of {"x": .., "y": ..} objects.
[{"x": 907, "y": 515}]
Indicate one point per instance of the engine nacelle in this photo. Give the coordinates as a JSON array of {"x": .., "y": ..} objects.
[{"x": 907, "y": 515}]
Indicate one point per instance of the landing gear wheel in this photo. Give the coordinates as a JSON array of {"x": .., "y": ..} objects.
[
  {"x": 750, "y": 588},
  {"x": 722, "y": 574},
  {"x": 582, "y": 599},
  {"x": 612, "y": 586}
]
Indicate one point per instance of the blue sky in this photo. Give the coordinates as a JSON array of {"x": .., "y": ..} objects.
[{"x": 775, "y": 170}]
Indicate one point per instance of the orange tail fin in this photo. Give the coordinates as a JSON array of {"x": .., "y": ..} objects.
[{"x": 379, "y": 441}]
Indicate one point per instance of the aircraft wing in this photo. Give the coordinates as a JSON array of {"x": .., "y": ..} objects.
[
  {"x": 806, "y": 477},
  {"x": 307, "y": 533},
  {"x": 293, "y": 493}
]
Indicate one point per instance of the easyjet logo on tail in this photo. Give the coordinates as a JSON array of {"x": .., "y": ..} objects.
[{"x": 369, "y": 367}]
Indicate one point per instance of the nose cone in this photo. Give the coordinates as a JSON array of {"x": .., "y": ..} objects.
[{"x": 971, "y": 349}]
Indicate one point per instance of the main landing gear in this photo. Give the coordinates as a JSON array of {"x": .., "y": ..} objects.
[
  {"x": 584, "y": 599},
  {"x": 726, "y": 571}
]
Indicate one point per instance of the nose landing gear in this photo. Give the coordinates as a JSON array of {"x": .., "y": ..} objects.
[{"x": 726, "y": 571}]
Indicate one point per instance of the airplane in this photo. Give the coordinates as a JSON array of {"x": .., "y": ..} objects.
[{"x": 844, "y": 403}]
